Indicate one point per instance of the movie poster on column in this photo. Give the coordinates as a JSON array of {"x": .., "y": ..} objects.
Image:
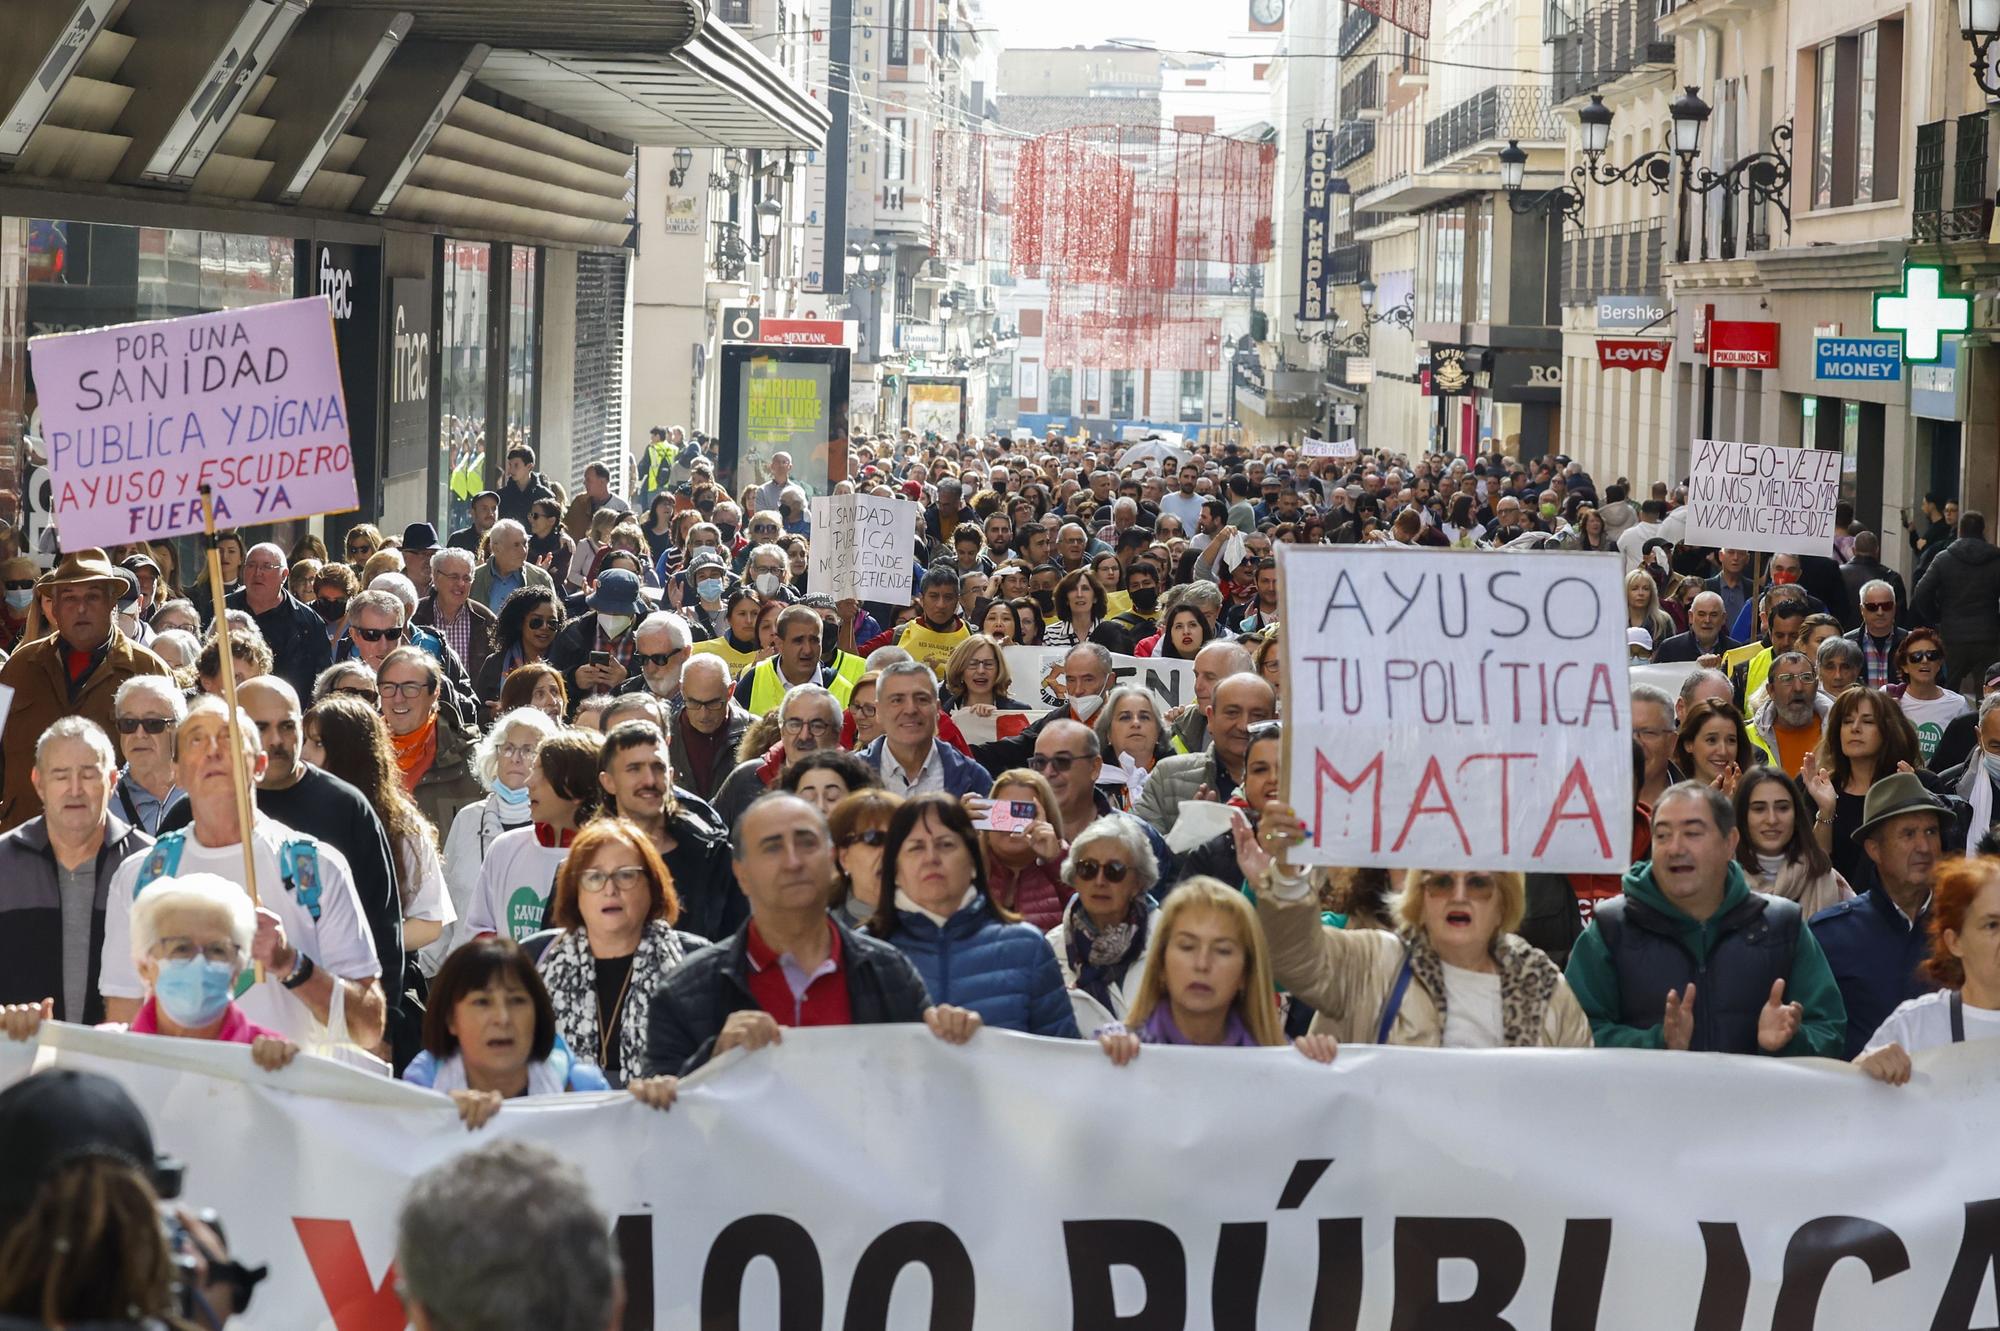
[{"x": 1457, "y": 709}]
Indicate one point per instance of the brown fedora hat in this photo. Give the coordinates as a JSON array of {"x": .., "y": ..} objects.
[{"x": 81, "y": 568}]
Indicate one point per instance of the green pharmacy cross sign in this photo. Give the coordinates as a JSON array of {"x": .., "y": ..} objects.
[{"x": 1922, "y": 313}]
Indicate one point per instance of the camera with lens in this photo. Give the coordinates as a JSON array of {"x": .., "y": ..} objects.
[{"x": 192, "y": 1254}]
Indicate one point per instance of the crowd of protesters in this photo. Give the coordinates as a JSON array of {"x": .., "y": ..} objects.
[{"x": 594, "y": 790}]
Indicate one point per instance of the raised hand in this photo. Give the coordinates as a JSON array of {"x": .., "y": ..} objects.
[
  {"x": 1779, "y": 1021},
  {"x": 1679, "y": 1021}
]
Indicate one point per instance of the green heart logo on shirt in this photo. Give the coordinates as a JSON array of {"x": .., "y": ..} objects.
[{"x": 524, "y": 913}]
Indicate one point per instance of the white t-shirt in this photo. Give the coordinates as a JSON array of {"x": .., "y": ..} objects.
[
  {"x": 1471, "y": 1009},
  {"x": 472, "y": 835},
  {"x": 1931, "y": 716},
  {"x": 422, "y": 865},
  {"x": 514, "y": 887},
  {"x": 338, "y": 941},
  {"x": 1185, "y": 507},
  {"x": 1925, "y": 1023}
]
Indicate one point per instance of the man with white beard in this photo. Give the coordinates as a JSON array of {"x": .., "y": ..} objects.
[{"x": 659, "y": 648}]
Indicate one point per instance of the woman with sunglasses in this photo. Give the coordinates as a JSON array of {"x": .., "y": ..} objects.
[
  {"x": 1106, "y": 927},
  {"x": 525, "y": 628},
  {"x": 1928, "y": 705},
  {"x": 20, "y": 575},
  {"x": 549, "y": 546},
  {"x": 1024, "y": 866},
  {"x": 1206, "y": 981},
  {"x": 1454, "y": 973},
  {"x": 363, "y": 540},
  {"x": 971, "y": 952},
  {"x": 859, "y": 826}
]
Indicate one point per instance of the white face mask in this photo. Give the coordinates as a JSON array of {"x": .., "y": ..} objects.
[
  {"x": 614, "y": 626},
  {"x": 768, "y": 583},
  {"x": 1085, "y": 708}
]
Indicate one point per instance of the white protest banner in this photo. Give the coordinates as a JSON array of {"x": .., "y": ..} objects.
[
  {"x": 1519, "y": 1190},
  {"x": 1327, "y": 448},
  {"x": 1039, "y": 682},
  {"x": 863, "y": 548},
  {"x": 139, "y": 417},
  {"x": 1762, "y": 497},
  {"x": 1457, "y": 709},
  {"x": 984, "y": 727}
]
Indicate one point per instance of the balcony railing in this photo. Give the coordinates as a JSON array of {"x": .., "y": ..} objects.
[
  {"x": 1621, "y": 260},
  {"x": 1610, "y": 41},
  {"x": 1968, "y": 213},
  {"x": 1355, "y": 27},
  {"x": 1508, "y": 111},
  {"x": 1355, "y": 141},
  {"x": 1347, "y": 265}
]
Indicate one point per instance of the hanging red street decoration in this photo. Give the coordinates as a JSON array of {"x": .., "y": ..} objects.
[
  {"x": 1412, "y": 16},
  {"x": 1135, "y": 229}
]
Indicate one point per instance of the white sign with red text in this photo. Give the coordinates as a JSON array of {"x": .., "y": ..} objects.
[{"x": 1457, "y": 709}]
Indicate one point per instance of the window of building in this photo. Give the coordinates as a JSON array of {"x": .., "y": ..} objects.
[
  {"x": 896, "y": 149},
  {"x": 1444, "y": 251},
  {"x": 899, "y": 33},
  {"x": 1857, "y": 120},
  {"x": 1062, "y": 392},
  {"x": 1124, "y": 395},
  {"x": 465, "y": 277},
  {"x": 1031, "y": 323},
  {"x": 733, "y": 11},
  {"x": 1194, "y": 395}
]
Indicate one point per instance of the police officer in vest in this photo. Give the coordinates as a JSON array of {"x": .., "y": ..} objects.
[
  {"x": 1691, "y": 958},
  {"x": 797, "y": 661}
]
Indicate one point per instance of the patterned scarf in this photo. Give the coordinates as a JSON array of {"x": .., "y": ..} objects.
[
  {"x": 1101, "y": 957},
  {"x": 570, "y": 972}
]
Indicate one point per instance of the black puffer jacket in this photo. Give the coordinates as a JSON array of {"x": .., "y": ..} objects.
[{"x": 1960, "y": 592}]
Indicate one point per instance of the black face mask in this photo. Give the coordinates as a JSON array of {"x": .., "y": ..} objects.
[
  {"x": 728, "y": 535},
  {"x": 331, "y": 610},
  {"x": 1145, "y": 599},
  {"x": 1045, "y": 601}
]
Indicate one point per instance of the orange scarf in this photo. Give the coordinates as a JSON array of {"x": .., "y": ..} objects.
[{"x": 416, "y": 751}]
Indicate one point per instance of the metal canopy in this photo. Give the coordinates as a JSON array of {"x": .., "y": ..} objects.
[{"x": 577, "y": 25}]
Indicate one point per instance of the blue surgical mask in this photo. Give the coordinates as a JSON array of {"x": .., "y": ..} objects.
[
  {"x": 194, "y": 992},
  {"x": 516, "y": 799},
  {"x": 1992, "y": 761},
  {"x": 709, "y": 589},
  {"x": 22, "y": 599}
]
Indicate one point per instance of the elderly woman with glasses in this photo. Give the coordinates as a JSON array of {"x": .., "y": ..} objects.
[
  {"x": 1107, "y": 926},
  {"x": 615, "y": 904},
  {"x": 191, "y": 941},
  {"x": 501, "y": 763},
  {"x": 1453, "y": 974}
]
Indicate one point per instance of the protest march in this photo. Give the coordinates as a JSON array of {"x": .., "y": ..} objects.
[{"x": 426, "y": 919}]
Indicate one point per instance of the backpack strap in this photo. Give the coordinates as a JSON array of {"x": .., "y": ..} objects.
[
  {"x": 1956, "y": 1005},
  {"x": 162, "y": 861},
  {"x": 1395, "y": 1001},
  {"x": 298, "y": 864}
]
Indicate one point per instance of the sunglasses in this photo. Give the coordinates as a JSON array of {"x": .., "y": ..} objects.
[
  {"x": 874, "y": 836},
  {"x": 20, "y": 584},
  {"x": 1923, "y": 658},
  {"x": 1111, "y": 871},
  {"x": 657, "y": 660},
  {"x": 377, "y": 635},
  {"x": 1060, "y": 762},
  {"x": 540, "y": 622},
  {"x": 1866, "y": 605},
  {"x": 152, "y": 725}
]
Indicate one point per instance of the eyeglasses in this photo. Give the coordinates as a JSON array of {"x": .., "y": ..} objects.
[
  {"x": 263, "y": 568},
  {"x": 874, "y": 836},
  {"x": 1111, "y": 871},
  {"x": 658, "y": 660},
  {"x": 540, "y": 622},
  {"x": 1474, "y": 887},
  {"x": 694, "y": 704},
  {"x": 152, "y": 725},
  {"x": 1923, "y": 658},
  {"x": 866, "y": 711},
  {"x": 1793, "y": 678},
  {"x": 763, "y": 529},
  {"x": 625, "y": 876},
  {"x": 819, "y": 727},
  {"x": 1059, "y": 762},
  {"x": 353, "y": 692},
  {"x": 180, "y": 948},
  {"x": 1865, "y": 605},
  {"x": 1652, "y": 732},
  {"x": 517, "y": 752},
  {"x": 376, "y": 635},
  {"x": 415, "y": 688}
]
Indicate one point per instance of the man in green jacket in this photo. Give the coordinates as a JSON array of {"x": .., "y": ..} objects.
[{"x": 1691, "y": 958}]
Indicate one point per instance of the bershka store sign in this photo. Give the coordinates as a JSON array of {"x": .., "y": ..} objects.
[
  {"x": 1743, "y": 344},
  {"x": 1633, "y": 353}
]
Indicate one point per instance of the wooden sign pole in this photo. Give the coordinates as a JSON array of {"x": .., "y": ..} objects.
[{"x": 240, "y": 774}]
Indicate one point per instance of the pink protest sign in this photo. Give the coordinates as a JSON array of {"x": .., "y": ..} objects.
[{"x": 137, "y": 418}]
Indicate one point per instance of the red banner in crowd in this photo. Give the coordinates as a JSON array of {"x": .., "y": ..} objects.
[{"x": 1633, "y": 353}]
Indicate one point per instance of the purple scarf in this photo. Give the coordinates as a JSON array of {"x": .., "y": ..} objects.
[{"x": 1160, "y": 1029}]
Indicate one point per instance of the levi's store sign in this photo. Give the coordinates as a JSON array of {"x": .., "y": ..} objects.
[
  {"x": 1743, "y": 344},
  {"x": 1633, "y": 353}
]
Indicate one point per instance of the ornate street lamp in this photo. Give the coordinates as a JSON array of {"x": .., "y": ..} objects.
[
  {"x": 683, "y": 159},
  {"x": 1560, "y": 201},
  {"x": 1979, "y": 23}
]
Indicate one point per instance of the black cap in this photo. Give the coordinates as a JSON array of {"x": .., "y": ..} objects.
[
  {"x": 420, "y": 536},
  {"x": 61, "y": 1115}
]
